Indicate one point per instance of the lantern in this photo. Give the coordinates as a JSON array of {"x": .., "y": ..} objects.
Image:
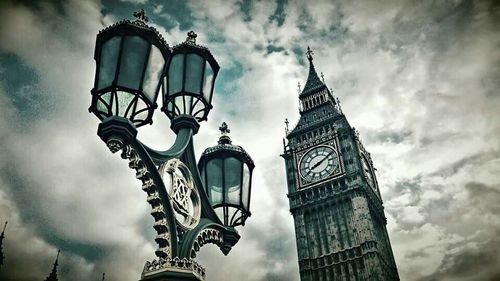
[
  {"x": 226, "y": 172},
  {"x": 131, "y": 59},
  {"x": 189, "y": 83}
]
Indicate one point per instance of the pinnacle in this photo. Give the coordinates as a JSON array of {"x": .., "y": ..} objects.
[{"x": 313, "y": 83}]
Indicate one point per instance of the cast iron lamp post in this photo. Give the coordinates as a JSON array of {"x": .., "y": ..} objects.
[{"x": 134, "y": 65}]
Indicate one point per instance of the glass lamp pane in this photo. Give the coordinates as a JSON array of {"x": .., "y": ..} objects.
[
  {"x": 220, "y": 213},
  {"x": 202, "y": 176},
  {"x": 153, "y": 73},
  {"x": 140, "y": 104},
  {"x": 231, "y": 215},
  {"x": 214, "y": 180},
  {"x": 175, "y": 73},
  {"x": 102, "y": 105},
  {"x": 108, "y": 62},
  {"x": 246, "y": 188},
  {"x": 140, "y": 117},
  {"x": 188, "y": 101},
  {"x": 207, "y": 81},
  {"x": 134, "y": 57},
  {"x": 179, "y": 102},
  {"x": 232, "y": 180},
  {"x": 198, "y": 109},
  {"x": 124, "y": 102},
  {"x": 194, "y": 71}
]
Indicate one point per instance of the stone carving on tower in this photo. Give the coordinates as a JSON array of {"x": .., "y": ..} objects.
[{"x": 334, "y": 197}]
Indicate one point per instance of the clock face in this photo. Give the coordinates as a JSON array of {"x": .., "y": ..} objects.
[
  {"x": 318, "y": 163},
  {"x": 182, "y": 193},
  {"x": 368, "y": 172}
]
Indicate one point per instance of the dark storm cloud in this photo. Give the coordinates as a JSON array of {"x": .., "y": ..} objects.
[
  {"x": 475, "y": 260},
  {"x": 483, "y": 198},
  {"x": 471, "y": 160},
  {"x": 388, "y": 136}
]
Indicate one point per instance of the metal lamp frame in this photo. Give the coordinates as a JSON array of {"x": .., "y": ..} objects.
[
  {"x": 174, "y": 241},
  {"x": 121, "y": 30}
]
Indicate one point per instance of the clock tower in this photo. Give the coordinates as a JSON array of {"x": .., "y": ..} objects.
[{"x": 334, "y": 197}]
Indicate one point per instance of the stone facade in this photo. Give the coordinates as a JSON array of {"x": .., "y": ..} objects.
[{"x": 334, "y": 197}]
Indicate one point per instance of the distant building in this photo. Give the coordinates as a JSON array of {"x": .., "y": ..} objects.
[
  {"x": 334, "y": 196},
  {"x": 2, "y": 236}
]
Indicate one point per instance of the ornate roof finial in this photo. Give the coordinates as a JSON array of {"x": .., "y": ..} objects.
[
  {"x": 322, "y": 77},
  {"x": 286, "y": 126},
  {"x": 298, "y": 86},
  {"x": 2, "y": 236},
  {"x": 224, "y": 130},
  {"x": 309, "y": 54},
  {"x": 53, "y": 273},
  {"x": 313, "y": 83},
  {"x": 191, "y": 39},
  {"x": 338, "y": 105},
  {"x": 141, "y": 16}
]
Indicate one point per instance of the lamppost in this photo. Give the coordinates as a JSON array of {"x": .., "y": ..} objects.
[{"x": 192, "y": 204}]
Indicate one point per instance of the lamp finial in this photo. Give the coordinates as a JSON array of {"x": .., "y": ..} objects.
[
  {"x": 224, "y": 130},
  {"x": 191, "y": 37},
  {"x": 141, "y": 16}
]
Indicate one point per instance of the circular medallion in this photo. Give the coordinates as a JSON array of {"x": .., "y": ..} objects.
[
  {"x": 182, "y": 192},
  {"x": 318, "y": 163}
]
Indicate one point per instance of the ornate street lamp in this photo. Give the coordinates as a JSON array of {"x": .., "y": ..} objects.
[
  {"x": 226, "y": 172},
  {"x": 134, "y": 64}
]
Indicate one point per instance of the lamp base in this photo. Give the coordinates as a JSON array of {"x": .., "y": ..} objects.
[
  {"x": 173, "y": 270},
  {"x": 184, "y": 121},
  {"x": 116, "y": 132}
]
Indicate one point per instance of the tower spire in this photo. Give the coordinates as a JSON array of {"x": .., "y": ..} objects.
[
  {"x": 314, "y": 83},
  {"x": 53, "y": 273},
  {"x": 309, "y": 54},
  {"x": 2, "y": 236}
]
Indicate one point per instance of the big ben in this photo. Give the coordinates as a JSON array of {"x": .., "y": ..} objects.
[{"x": 334, "y": 196}]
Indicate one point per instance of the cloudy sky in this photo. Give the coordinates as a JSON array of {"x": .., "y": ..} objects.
[{"x": 420, "y": 80}]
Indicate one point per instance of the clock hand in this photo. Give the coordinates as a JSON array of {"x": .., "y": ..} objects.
[{"x": 321, "y": 161}]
